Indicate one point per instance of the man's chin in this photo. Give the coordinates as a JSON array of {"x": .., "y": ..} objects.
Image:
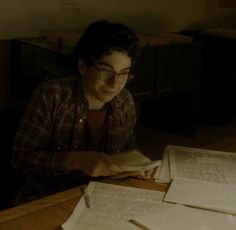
[{"x": 106, "y": 98}]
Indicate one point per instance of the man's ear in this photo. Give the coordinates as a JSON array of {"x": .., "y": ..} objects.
[{"x": 81, "y": 67}]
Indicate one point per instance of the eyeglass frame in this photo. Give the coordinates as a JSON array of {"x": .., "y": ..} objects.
[{"x": 114, "y": 74}]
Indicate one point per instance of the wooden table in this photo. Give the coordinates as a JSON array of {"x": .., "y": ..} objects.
[{"x": 51, "y": 212}]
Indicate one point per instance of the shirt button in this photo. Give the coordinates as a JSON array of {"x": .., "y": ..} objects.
[{"x": 81, "y": 120}]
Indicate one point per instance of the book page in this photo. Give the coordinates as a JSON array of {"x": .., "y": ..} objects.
[
  {"x": 203, "y": 194},
  {"x": 112, "y": 206},
  {"x": 180, "y": 217},
  {"x": 202, "y": 164},
  {"x": 133, "y": 160},
  {"x": 163, "y": 172}
]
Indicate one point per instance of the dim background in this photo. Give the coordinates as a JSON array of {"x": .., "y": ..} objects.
[{"x": 26, "y": 18}]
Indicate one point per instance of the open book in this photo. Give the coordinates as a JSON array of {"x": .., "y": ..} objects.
[
  {"x": 112, "y": 206},
  {"x": 133, "y": 160},
  {"x": 200, "y": 178}
]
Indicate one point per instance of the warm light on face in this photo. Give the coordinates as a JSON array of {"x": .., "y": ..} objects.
[{"x": 108, "y": 75}]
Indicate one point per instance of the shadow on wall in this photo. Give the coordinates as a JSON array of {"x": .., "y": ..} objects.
[
  {"x": 31, "y": 25},
  {"x": 220, "y": 19},
  {"x": 149, "y": 15}
]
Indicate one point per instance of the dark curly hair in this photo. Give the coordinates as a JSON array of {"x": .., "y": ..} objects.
[{"x": 103, "y": 37}]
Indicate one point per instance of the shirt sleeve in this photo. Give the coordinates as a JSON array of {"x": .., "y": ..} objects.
[{"x": 34, "y": 133}]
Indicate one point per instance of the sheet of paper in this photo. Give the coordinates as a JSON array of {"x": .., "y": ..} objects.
[
  {"x": 180, "y": 217},
  {"x": 112, "y": 206},
  {"x": 202, "y": 164},
  {"x": 133, "y": 160},
  {"x": 203, "y": 194}
]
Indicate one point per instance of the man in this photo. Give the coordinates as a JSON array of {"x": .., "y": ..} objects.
[{"x": 72, "y": 125}]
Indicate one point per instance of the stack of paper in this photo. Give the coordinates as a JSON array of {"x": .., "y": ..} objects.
[{"x": 200, "y": 178}]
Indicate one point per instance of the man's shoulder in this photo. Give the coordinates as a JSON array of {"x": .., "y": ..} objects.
[
  {"x": 60, "y": 89},
  {"x": 124, "y": 98},
  {"x": 59, "y": 84},
  {"x": 125, "y": 95}
]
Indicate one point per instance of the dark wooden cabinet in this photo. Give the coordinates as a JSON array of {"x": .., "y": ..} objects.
[
  {"x": 217, "y": 94},
  {"x": 142, "y": 86},
  {"x": 174, "y": 106},
  {"x": 178, "y": 68},
  {"x": 37, "y": 60}
]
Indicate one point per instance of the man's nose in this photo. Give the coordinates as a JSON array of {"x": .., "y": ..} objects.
[{"x": 114, "y": 79}]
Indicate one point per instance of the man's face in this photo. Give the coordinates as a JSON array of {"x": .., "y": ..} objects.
[{"x": 107, "y": 76}]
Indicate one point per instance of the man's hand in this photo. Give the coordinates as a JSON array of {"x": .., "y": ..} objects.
[{"x": 92, "y": 163}]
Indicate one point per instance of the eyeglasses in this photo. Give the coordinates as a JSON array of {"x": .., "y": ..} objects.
[{"x": 107, "y": 75}]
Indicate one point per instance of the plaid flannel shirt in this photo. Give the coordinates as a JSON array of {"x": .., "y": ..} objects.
[
  {"x": 54, "y": 121},
  {"x": 52, "y": 127}
]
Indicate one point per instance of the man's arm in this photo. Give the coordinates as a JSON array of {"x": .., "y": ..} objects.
[
  {"x": 33, "y": 135},
  {"x": 91, "y": 163},
  {"x": 35, "y": 131}
]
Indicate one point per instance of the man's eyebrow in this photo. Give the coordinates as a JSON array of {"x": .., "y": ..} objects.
[{"x": 111, "y": 67}]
